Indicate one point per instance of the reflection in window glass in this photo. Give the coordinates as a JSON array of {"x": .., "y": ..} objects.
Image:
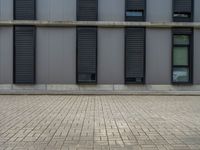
[
  {"x": 181, "y": 39},
  {"x": 180, "y": 74},
  {"x": 134, "y": 13},
  {"x": 180, "y": 56},
  {"x": 182, "y": 15}
]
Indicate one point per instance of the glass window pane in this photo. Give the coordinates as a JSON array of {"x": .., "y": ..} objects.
[
  {"x": 134, "y": 13},
  {"x": 180, "y": 56},
  {"x": 180, "y": 74},
  {"x": 183, "y": 15},
  {"x": 181, "y": 39}
]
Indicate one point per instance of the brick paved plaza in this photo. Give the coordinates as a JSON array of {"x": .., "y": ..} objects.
[{"x": 100, "y": 122}]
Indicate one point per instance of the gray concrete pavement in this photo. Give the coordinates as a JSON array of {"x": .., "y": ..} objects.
[{"x": 100, "y": 122}]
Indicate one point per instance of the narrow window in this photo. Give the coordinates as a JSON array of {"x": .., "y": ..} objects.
[
  {"x": 86, "y": 55},
  {"x": 24, "y": 9},
  {"x": 135, "y": 10},
  {"x": 182, "y": 54},
  {"x": 135, "y": 55},
  {"x": 24, "y": 43},
  {"x": 24, "y": 55},
  {"x": 87, "y": 10},
  {"x": 183, "y": 10}
]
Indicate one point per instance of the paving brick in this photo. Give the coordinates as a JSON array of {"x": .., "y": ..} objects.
[{"x": 100, "y": 122}]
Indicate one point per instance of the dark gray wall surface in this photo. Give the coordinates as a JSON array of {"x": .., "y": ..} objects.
[
  {"x": 111, "y": 56},
  {"x": 56, "y": 10},
  {"x": 6, "y": 9},
  {"x": 158, "y": 56},
  {"x": 56, "y": 55},
  {"x": 159, "y": 10},
  {"x": 196, "y": 56},
  {"x": 6, "y": 55},
  {"x": 111, "y": 10},
  {"x": 197, "y": 10}
]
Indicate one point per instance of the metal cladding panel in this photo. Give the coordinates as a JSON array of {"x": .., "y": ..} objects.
[
  {"x": 87, "y": 10},
  {"x": 135, "y": 55},
  {"x": 24, "y": 9},
  {"x": 24, "y": 54},
  {"x": 183, "y": 6},
  {"x": 87, "y": 53},
  {"x": 135, "y": 4}
]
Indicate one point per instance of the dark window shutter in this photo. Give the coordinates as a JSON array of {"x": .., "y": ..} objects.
[
  {"x": 24, "y": 55},
  {"x": 87, "y": 10},
  {"x": 183, "y": 10},
  {"x": 136, "y": 5},
  {"x": 24, "y": 10},
  {"x": 86, "y": 54},
  {"x": 135, "y": 55}
]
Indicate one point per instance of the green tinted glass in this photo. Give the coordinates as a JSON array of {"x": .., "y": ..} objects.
[
  {"x": 181, "y": 75},
  {"x": 181, "y": 39},
  {"x": 180, "y": 56}
]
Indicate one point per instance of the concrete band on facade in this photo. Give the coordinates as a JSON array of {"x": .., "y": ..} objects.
[
  {"x": 100, "y": 89},
  {"x": 104, "y": 24}
]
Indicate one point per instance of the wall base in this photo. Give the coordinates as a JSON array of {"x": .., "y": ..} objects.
[{"x": 100, "y": 89}]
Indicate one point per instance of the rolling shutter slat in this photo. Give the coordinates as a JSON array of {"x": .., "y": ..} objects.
[
  {"x": 183, "y": 6},
  {"x": 24, "y": 54},
  {"x": 24, "y": 10},
  {"x": 87, "y": 51},
  {"x": 87, "y": 10},
  {"x": 135, "y": 54},
  {"x": 135, "y": 4}
]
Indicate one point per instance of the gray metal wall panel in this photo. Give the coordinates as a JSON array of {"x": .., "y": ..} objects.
[
  {"x": 111, "y": 10},
  {"x": 196, "y": 10},
  {"x": 196, "y": 57},
  {"x": 6, "y": 55},
  {"x": 6, "y": 9},
  {"x": 111, "y": 56},
  {"x": 158, "y": 56},
  {"x": 159, "y": 10},
  {"x": 56, "y": 56},
  {"x": 56, "y": 10}
]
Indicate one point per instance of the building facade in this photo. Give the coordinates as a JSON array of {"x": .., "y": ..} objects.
[{"x": 90, "y": 57}]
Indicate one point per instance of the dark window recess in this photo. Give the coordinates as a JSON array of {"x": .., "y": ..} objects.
[
  {"x": 135, "y": 10},
  {"x": 182, "y": 56},
  {"x": 87, "y": 10},
  {"x": 183, "y": 10},
  {"x": 134, "y": 55},
  {"x": 24, "y": 54},
  {"x": 86, "y": 55},
  {"x": 24, "y": 10}
]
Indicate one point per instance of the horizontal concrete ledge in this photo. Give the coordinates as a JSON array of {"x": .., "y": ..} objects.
[
  {"x": 105, "y": 24},
  {"x": 108, "y": 89}
]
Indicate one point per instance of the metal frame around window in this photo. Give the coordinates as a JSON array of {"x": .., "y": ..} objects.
[{"x": 190, "y": 55}]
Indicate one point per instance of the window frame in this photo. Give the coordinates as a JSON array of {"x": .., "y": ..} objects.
[{"x": 190, "y": 56}]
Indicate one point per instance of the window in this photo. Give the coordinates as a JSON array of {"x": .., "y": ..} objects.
[
  {"x": 135, "y": 10},
  {"x": 86, "y": 55},
  {"x": 24, "y": 43},
  {"x": 24, "y": 10},
  {"x": 183, "y": 10},
  {"x": 182, "y": 56},
  {"x": 135, "y": 55},
  {"x": 87, "y": 10}
]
